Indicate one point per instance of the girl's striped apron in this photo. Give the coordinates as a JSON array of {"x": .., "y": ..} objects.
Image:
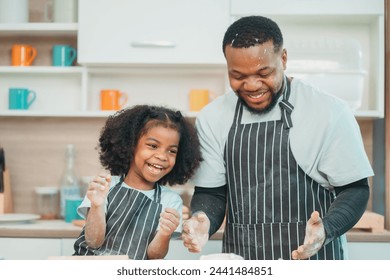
[
  {"x": 131, "y": 222},
  {"x": 270, "y": 197}
]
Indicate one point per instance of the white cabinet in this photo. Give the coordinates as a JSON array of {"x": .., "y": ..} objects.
[
  {"x": 29, "y": 248},
  {"x": 369, "y": 250},
  {"x": 43, "y": 248},
  {"x": 152, "y": 32},
  {"x": 336, "y": 44},
  {"x": 356, "y": 250},
  {"x": 177, "y": 251},
  {"x": 67, "y": 246},
  {"x": 35, "y": 248}
]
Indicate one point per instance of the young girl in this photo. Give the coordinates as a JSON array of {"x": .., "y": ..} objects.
[{"x": 133, "y": 213}]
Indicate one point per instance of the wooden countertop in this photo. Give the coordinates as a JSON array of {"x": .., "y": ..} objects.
[
  {"x": 40, "y": 229},
  {"x": 61, "y": 229},
  {"x": 364, "y": 236}
]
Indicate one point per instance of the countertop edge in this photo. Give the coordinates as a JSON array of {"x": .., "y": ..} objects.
[
  {"x": 352, "y": 236},
  {"x": 362, "y": 236},
  {"x": 61, "y": 229},
  {"x": 37, "y": 233}
]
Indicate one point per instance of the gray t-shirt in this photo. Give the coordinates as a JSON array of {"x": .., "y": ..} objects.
[{"x": 325, "y": 138}]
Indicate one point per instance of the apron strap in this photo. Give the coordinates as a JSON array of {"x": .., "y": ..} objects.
[
  {"x": 157, "y": 193},
  {"x": 286, "y": 106},
  {"x": 238, "y": 113}
]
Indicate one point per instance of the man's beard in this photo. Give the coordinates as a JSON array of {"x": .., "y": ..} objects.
[
  {"x": 274, "y": 101},
  {"x": 267, "y": 109}
]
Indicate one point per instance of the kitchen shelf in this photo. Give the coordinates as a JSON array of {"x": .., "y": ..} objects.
[
  {"x": 368, "y": 114},
  {"x": 40, "y": 29},
  {"x": 76, "y": 114},
  {"x": 311, "y": 8},
  {"x": 42, "y": 70},
  {"x": 75, "y": 91},
  {"x": 59, "y": 89}
]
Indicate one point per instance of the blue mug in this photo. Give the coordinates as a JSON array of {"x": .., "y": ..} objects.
[
  {"x": 20, "y": 98},
  {"x": 71, "y": 205},
  {"x": 63, "y": 55}
]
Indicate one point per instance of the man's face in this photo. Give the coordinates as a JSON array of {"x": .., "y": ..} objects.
[{"x": 256, "y": 74}]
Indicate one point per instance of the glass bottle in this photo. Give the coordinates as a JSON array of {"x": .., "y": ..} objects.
[{"x": 69, "y": 184}]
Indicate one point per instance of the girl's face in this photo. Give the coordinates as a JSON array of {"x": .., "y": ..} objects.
[{"x": 154, "y": 157}]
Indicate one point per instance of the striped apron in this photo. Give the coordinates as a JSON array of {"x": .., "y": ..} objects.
[
  {"x": 131, "y": 222},
  {"x": 270, "y": 197}
]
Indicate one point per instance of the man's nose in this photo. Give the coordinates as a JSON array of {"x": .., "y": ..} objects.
[{"x": 253, "y": 83}]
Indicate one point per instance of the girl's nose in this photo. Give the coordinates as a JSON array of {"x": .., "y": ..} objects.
[{"x": 161, "y": 156}]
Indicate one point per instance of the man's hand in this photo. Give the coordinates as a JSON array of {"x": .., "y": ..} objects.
[
  {"x": 196, "y": 232},
  {"x": 314, "y": 238}
]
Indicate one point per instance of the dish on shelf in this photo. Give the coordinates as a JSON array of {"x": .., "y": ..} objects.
[{"x": 17, "y": 218}]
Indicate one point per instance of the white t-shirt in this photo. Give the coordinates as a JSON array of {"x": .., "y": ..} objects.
[
  {"x": 169, "y": 199},
  {"x": 325, "y": 138}
]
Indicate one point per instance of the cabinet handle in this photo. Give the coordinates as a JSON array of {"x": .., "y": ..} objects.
[{"x": 153, "y": 44}]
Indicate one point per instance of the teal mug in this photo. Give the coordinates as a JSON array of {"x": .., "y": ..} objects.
[
  {"x": 20, "y": 98},
  {"x": 71, "y": 205},
  {"x": 63, "y": 55}
]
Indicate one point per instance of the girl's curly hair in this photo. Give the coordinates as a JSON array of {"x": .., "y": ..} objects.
[{"x": 121, "y": 132}]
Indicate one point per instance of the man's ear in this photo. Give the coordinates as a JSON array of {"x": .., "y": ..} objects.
[{"x": 284, "y": 58}]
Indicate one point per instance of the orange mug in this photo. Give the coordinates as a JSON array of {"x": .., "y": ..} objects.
[
  {"x": 112, "y": 99},
  {"x": 23, "y": 55},
  {"x": 199, "y": 98}
]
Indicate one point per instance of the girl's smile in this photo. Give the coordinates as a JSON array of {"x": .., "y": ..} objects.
[{"x": 154, "y": 157}]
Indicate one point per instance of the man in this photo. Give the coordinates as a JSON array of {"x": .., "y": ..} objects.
[{"x": 284, "y": 160}]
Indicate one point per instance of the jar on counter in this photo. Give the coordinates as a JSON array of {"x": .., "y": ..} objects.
[{"x": 47, "y": 202}]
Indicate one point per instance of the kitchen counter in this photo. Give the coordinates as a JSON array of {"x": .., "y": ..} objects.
[
  {"x": 41, "y": 229},
  {"x": 364, "y": 236},
  {"x": 61, "y": 229}
]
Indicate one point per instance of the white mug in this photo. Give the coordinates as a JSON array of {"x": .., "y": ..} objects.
[
  {"x": 62, "y": 11},
  {"x": 14, "y": 11}
]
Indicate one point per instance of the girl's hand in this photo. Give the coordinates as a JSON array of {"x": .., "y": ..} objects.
[
  {"x": 169, "y": 221},
  {"x": 98, "y": 189}
]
